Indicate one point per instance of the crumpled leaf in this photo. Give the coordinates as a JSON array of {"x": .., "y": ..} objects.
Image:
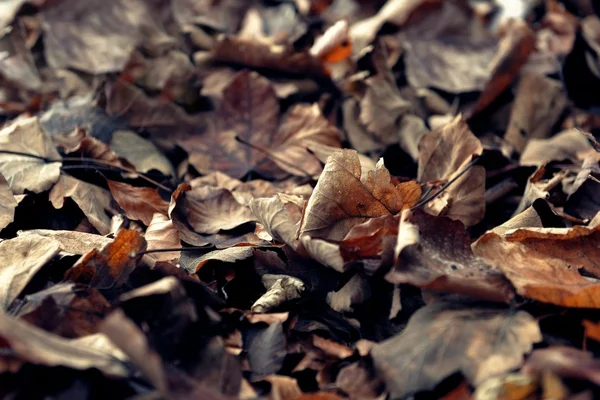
[
  {"x": 477, "y": 342},
  {"x": 342, "y": 199},
  {"x": 443, "y": 154},
  {"x": 28, "y": 173},
  {"x": 93, "y": 200},
  {"x": 279, "y": 217},
  {"x": 567, "y": 362},
  {"x": 280, "y": 289},
  {"x": 544, "y": 263},
  {"x": 192, "y": 263},
  {"x": 565, "y": 145},
  {"x": 139, "y": 203},
  {"x": 20, "y": 259},
  {"x": 442, "y": 260},
  {"x": 111, "y": 266},
  {"x": 31, "y": 344}
]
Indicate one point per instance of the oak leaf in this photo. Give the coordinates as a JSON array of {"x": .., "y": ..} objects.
[{"x": 342, "y": 199}]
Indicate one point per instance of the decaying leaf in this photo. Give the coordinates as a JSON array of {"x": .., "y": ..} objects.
[
  {"x": 477, "y": 342},
  {"x": 442, "y": 260},
  {"x": 93, "y": 200},
  {"x": 342, "y": 199},
  {"x": 110, "y": 266},
  {"x": 8, "y": 203},
  {"x": 280, "y": 289},
  {"x": 21, "y": 258},
  {"x": 23, "y": 172},
  {"x": 138, "y": 203},
  {"x": 162, "y": 234},
  {"x": 192, "y": 262},
  {"x": 443, "y": 154}
]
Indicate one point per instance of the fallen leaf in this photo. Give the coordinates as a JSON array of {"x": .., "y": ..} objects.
[
  {"x": 34, "y": 345},
  {"x": 341, "y": 200},
  {"x": 275, "y": 216},
  {"x": 162, "y": 234},
  {"x": 566, "y": 362},
  {"x": 70, "y": 241},
  {"x": 544, "y": 263},
  {"x": 442, "y": 260},
  {"x": 477, "y": 342},
  {"x": 138, "y": 203},
  {"x": 111, "y": 266},
  {"x": 266, "y": 348},
  {"x": 280, "y": 289},
  {"x": 140, "y": 152},
  {"x": 192, "y": 262},
  {"x": 23, "y": 173},
  {"x": 443, "y": 154},
  {"x": 21, "y": 258},
  {"x": 565, "y": 145},
  {"x": 93, "y": 200},
  {"x": 8, "y": 204},
  {"x": 538, "y": 104}
]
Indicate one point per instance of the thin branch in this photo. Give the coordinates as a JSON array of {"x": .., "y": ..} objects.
[
  {"x": 446, "y": 185},
  {"x": 91, "y": 160}
]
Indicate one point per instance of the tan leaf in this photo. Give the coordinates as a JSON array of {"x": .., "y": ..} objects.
[
  {"x": 444, "y": 153},
  {"x": 444, "y": 338},
  {"x": 20, "y": 259},
  {"x": 138, "y": 203},
  {"x": 565, "y": 145},
  {"x": 28, "y": 173},
  {"x": 34, "y": 345},
  {"x": 341, "y": 200},
  {"x": 442, "y": 260},
  {"x": 8, "y": 204},
  {"x": 93, "y": 200},
  {"x": 210, "y": 210},
  {"x": 567, "y": 362},
  {"x": 273, "y": 214},
  {"x": 192, "y": 263},
  {"x": 140, "y": 152},
  {"x": 70, "y": 241},
  {"x": 162, "y": 234},
  {"x": 543, "y": 263}
]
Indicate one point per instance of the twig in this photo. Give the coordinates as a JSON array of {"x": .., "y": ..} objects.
[{"x": 450, "y": 182}]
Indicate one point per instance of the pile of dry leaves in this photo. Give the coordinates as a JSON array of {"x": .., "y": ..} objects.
[{"x": 309, "y": 199}]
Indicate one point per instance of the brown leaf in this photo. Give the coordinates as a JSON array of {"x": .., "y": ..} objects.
[
  {"x": 252, "y": 118},
  {"x": 442, "y": 260},
  {"x": 139, "y": 203},
  {"x": 341, "y": 200},
  {"x": 565, "y": 145},
  {"x": 444, "y": 338},
  {"x": 538, "y": 104},
  {"x": 374, "y": 239},
  {"x": 210, "y": 210},
  {"x": 65, "y": 310},
  {"x": 566, "y": 362},
  {"x": 303, "y": 129},
  {"x": 543, "y": 263},
  {"x": 25, "y": 135},
  {"x": 93, "y": 200},
  {"x": 70, "y": 241},
  {"x": 517, "y": 43},
  {"x": 162, "y": 234},
  {"x": 95, "y": 36},
  {"x": 111, "y": 266},
  {"x": 252, "y": 53},
  {"x": 274, "y": 214},
  {"x": 8, "y": 204},
  {"x": 20, "y": 259},
  {"x": 34, "y": 345},
  {"x": 443, "y": 154},
  {"x": 192, "y": 262}
]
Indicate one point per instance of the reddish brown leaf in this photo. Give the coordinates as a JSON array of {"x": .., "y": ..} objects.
[
  {"x": 341, "y": 200},
  {"x": 139, "y": 203},
  {"x": 111, "y": 266}
]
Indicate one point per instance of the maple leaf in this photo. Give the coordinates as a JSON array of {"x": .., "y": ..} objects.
[
  {"x": 410, "y": 361},
  {"x": 342, "y": 200},
  {"x": 34, "y": 174}
]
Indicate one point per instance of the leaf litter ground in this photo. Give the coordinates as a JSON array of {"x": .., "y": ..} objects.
[{"x": 308, "y": 199}]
